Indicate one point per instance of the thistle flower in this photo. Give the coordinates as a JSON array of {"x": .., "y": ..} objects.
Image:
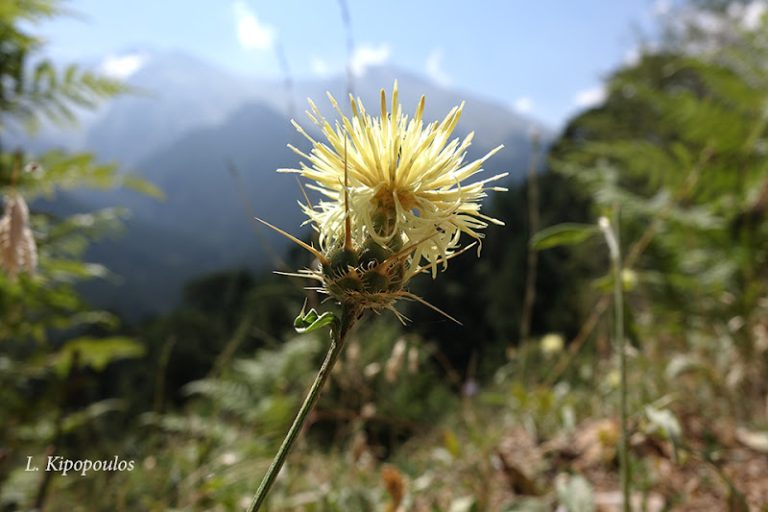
[
  {"x": 396, "y": 200},
  {"x": 18, "y": 250}
]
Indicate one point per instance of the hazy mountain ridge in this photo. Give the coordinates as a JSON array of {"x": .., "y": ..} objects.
[
  {"x": 175, "y": 93},
  {"x": 206, "y": 203}
]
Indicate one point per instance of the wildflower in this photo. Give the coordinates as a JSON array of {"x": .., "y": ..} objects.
[
  {"x": 551, "y": 344},
  {"x": 396, "y": 200},
  {"x": 628, "y": 279},
  {"x": 228, "y": 458},
  {"x": 368, "y": 411},
  {"x": 18, "y": 251},
  {"x": 470, "y": 388},
  {"x": 613, "y": 379},
  {"x": 371, "y": 370},
  {"x": 406, "y": 182},
  {"x": 396, "y": 203}
]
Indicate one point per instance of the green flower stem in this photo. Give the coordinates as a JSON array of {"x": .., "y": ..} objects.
[
  {"x": 338, "y": 334},
  {"x": 618, "y": 304},
  {"x": 611, "y": 233}
]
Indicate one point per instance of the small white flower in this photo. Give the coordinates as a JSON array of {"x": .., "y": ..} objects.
[{"x": 552, "y": 344}]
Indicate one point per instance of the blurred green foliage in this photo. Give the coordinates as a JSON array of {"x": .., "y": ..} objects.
[
  {"x": 680, "y": 145},
  {"x": 51, "y": 342}
]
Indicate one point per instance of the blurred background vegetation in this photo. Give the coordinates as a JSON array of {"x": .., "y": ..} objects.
[{"x": 162, "y": 336}]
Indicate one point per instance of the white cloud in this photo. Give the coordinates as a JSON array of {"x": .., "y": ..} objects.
[
  {"x": 122, "y": 66},
  {"x": 661, "y": 7},
  {"x": 589, "y": 97},
  {"x": 252, "y": 33},
  {"x": 367, "y": 55},
  {"x": 434, "y": 67},
  {"x": 319, "y": 66},
  {"x": 523, "y": 104}
]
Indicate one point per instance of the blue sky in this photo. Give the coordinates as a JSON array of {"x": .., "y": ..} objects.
[{"x": 544, "y": 58}]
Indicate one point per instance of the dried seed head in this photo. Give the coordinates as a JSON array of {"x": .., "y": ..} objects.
[
  {"x": 394, "y": 483},
  {"x": 18, "y": 251}
]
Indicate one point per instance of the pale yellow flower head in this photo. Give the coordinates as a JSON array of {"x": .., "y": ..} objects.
[
  {"x": 406, "y": 182},
  {"x": 396, "y": 199}
]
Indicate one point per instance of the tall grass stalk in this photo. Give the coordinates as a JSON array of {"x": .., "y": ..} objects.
[
  {"x": 611, "y": 233},
  {"x": 346, "y": 20},
  {"x": 534, "y": 220}
]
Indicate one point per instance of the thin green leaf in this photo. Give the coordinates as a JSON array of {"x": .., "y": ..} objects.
[
  {"x": 311, "y": 321},
  {"x": 562, "y": 234},
  {"x": 664, "y": 420}
]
